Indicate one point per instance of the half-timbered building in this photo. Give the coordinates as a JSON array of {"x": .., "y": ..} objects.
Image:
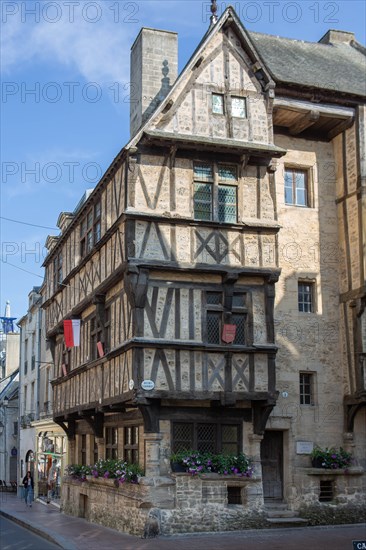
[{"x": 217, "y": 270}]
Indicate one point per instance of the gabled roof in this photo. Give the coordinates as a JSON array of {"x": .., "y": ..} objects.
[
  {"x": 228, "y": 17},
  {"x": 339, "y": 67}
]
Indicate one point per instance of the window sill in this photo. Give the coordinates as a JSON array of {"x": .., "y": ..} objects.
[{"x": 351, "y": 471}]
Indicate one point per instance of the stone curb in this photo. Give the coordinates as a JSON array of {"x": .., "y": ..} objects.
[{"x": 42, "y": 532}]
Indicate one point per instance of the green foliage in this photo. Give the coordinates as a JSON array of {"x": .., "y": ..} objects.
[
  {"x": 108, "y": 469},
  {"x": 196, "y": 462},
  {"x": 331, "y": 458}
]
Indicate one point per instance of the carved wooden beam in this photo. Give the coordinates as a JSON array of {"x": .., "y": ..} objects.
[
  {"x": 340, "y": 127},
  {"x": 261, "y": 412},
  {"x": 69, "y": 429},
  {"x": 96, "y": 422},
  {"x": 151, "y": 415},
  {"x": 304, "y": 122}
]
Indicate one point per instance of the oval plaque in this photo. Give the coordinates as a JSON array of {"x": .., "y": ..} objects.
[
  {"x": 147, "y": 385},
  {"x": 131, "y": 384}
]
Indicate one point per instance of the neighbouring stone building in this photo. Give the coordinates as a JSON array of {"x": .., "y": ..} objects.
[
  {"x": 42, "y": 443},
  {"x": 239, "y": 200}
]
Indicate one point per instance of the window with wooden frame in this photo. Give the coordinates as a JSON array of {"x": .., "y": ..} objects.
[
  {"x": 215, "y": 192},
  {"x": 238, "y": 107},
  {"x": 107, "y": 330},
  {"x": 95, "y": 451},
  {"x": 218, "y": 104},
  {"x": 111, "y": 442},
  {"x": 90, "y": 229},
  {"x": 215, "y": 317},
  {"x": 296, "y": 187},
  {"x": 96, "y": 332},
  {"x": 306, "y": 388},
  {"x": 211, "y": 437},
  {"x": 306, "y": 294},
  {"x": 131, "y": 444},
  {"x": 83, "y": 449},
  {"x": 57, "y": 271},
  {"x": 66, "y": 358}
]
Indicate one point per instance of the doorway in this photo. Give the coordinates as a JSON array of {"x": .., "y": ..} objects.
[{"x": 272, "y": 464}]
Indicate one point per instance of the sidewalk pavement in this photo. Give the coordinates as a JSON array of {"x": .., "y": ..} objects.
[{"x": 72, "y": 533}]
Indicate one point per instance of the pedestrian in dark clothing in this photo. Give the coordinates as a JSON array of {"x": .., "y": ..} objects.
[{"x": 29, "y": 489}]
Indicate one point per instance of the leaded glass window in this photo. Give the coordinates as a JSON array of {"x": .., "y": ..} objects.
[
  {"x": 227, "y": 204},
  {"x": 203, "y": 201},
  {"x": 213, "y": 327},
  {"x": 214, "y": 198},
  {"x": 214, "y": 437}
]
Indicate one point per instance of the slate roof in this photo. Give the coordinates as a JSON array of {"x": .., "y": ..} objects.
[{"x": 340, "y": 67}]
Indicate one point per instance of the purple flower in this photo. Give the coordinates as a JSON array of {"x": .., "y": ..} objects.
[{"x": 106, "y": 475}]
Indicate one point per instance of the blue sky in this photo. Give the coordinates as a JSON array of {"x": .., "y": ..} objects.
[{"x": 65, "y": 100}]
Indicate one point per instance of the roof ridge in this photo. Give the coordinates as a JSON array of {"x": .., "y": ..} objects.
[{"x": 287, "y": 38}]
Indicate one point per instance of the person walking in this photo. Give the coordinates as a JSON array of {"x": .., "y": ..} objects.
[{"x": 29, "y": 488}]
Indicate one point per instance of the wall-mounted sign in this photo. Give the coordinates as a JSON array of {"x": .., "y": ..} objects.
[
  {"x": 131, "y": 384},
  {"x": 14, "y": 452},
  {"x": 304, "y": 447},
  {"x": 100, "y": 349},
  {"x": 285, "y": 394},
  {"x": 147, "y": 385},
  {"x": 228, "y": 333}
]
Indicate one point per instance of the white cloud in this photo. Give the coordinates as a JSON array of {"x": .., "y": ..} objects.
[
  {"x": 96, "y": 50},
  {"x": 99, "y": 51}
]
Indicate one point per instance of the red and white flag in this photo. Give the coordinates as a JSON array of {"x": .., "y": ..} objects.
[{"x": 72, "y": 333}]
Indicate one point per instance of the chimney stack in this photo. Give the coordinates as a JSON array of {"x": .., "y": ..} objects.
[{"x": 154, "y": 69}]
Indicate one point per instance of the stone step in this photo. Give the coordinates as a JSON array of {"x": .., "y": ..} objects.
[
  {"x": 282, "y": 514},
  {"x": 275, "y": 505},
  {"x": 287, "y": 522}
]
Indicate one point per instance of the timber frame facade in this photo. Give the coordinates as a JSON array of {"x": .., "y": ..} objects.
[{"x": 191, "y": 230}]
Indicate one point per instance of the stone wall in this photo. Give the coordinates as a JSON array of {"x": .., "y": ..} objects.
[
  {"x": 165, "y": 505},
  {"x": 181, "y": 503}
]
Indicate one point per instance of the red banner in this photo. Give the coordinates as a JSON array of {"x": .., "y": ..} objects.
[
  {"x": 100, "y": 349},
  {"x": 228, "y": 334}
]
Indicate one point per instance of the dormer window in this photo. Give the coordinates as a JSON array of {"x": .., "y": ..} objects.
[
  {"x": 90, "y": 230},
  {"x": 218, "y": 104},
  {"x": 238, "y": 107}
]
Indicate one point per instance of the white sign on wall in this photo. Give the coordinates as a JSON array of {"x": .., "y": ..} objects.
[
  {"x": 304, "y": 447},
  {"x": 147, "y": 385}
]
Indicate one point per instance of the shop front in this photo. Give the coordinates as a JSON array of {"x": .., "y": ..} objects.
[{"x": 51, "y": 459}]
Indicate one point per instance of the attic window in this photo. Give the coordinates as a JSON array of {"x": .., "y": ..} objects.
[
  {"x": 238, "y": 107},
  {"x": 218, "y": 104}
]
